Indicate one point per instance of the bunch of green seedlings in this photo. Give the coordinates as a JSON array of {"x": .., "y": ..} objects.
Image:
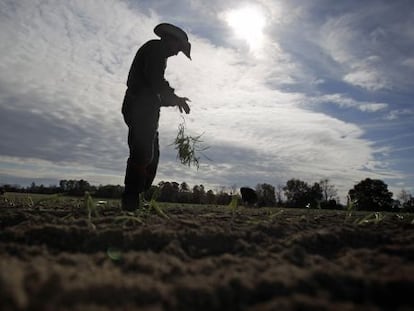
[
  {"x": 350, "y": 207},
  {"x": 188, "y": 147},
  {"x": 154, "y": 206},
  {"x": 130, "y": 218},
  {"x": 375, "y": 217},
  {"x": 28, "y": 201}
]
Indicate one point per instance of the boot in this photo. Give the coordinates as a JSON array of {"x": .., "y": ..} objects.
[
  {"x": 130, "y": 202},
  {"x": 134, "y": 184}
]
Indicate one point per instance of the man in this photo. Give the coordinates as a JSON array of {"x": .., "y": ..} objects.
[{"x": 147, "y": 92}]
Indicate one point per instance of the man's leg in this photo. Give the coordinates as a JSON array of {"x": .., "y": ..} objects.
[
  {"x": 134, "y": 185},
  {"x": 141, "y": 155},
  {"x": 151, "y": 169}
]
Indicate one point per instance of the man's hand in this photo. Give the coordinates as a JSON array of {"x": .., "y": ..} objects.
[{"x": 182, "y": 104}]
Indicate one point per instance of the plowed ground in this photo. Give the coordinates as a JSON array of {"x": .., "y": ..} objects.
[{"x": 203, "y": 258}]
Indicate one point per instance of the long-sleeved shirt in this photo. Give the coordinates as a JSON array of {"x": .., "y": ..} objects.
[{"x": 147, "y": 73}]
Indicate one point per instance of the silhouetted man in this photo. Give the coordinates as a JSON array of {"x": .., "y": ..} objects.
[{"x": 147, "y": 92}]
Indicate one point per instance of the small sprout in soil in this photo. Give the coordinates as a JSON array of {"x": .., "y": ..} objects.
[
  {"x": 371, "y": 218},
  {"x": 91, "y": 208},
  {"x": 157, "y": 209},
  {"x": 89, "y": 205},
  {"x": 153, "y": 205},
  {"x": 128, "y": 219},
  {"x": 234, "y": 202},
  {"x": 399, "y": 217},
  {"x": 276, "y": 214},
  {"x": 29, "y": 201},
  {"x": 114, "y": 253},
  {"x": 350, "y": 207},
  {"x": 46, "y": 199}
]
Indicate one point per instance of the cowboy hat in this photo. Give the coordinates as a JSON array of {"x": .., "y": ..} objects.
[{"x": 165, "y": 29}]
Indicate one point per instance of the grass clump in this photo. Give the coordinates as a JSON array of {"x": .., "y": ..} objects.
[
  {"x": 375, "y": 218},
  {"x": 188, "y": 147},
  {"x": 91, "y": 208},
  {"x": 128, "y": 219}
]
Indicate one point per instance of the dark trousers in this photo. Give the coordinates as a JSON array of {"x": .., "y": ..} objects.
[{"x": 141, "y": 114}]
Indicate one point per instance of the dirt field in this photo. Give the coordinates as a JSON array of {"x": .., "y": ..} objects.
[{"x": 203, "y": 258}]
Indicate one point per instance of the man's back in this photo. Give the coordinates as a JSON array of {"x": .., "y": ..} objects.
[{"x": 147, "y": 68}]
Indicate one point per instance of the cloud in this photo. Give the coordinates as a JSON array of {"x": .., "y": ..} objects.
[
  {"x": 370, "y": 43},
  {"x": 346, "y": 102},
  {"x": 62, "y": 80},
  {"x": 397, "y": 114}
]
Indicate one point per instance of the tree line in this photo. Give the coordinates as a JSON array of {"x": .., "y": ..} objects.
[{"x": 368, "y": 194}]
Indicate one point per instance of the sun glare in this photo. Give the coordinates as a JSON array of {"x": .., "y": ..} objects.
[{"x": 248, "y": 24}]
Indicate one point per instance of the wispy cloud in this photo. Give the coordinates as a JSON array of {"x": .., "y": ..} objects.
[{"x": 346, "y": 102}]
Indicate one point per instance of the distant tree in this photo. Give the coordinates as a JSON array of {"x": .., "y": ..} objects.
[
  {"x": 152, "y": 193},
  {"x": 75, "y": 187},
  {"x": 184, "y": 193},
  {"x": 315, "y": 196},
  {"x": 404, "y": 196},
  {"x": 329, "y": 191},
  {"x": 12, "y": 188},
  {"x": 33, "y": 187},
  {"x": 199, "y": 194},
  {"x": 279, "y": 195},
  {"x": 372, "y": 195},
  {"x": 62, "y": 185},
  {"x": 409, "y": 206},
  {"x": 109, "y": 191},
  {"x": 175, "y": 191},
  {"x": 223, "y": 198},
  {"x": 297, "y": 193},
  {"x": 406, "y": 200},
  {"x": 330, "y": 199},
  {"x": 166, "y": 192},
  {"x": 210, "y": 197},
  {"x": 82, "y": 187},
  {"x": 184, "y": 187},
  {"x": 266, "y": 195}
]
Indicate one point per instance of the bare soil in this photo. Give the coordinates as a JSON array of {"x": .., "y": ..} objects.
[{"x": 204, "y": 258}]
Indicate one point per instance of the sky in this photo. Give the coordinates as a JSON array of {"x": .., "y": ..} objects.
[{"x": 279, "y": 90}]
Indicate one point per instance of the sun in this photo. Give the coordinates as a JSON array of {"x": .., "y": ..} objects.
[{"x": 248, "y": 24}]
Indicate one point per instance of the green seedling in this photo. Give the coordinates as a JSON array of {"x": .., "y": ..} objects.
[
  {"x": 371, "y": 218},
  {"x": 276, "y": 214},
  {"x": 399, "y": 217},
  {"x": 46, "y": 199},
  {"x": 130, "y": 218},
  {"x": 29, "y": 201},
  {"x": 188, "y": 147},
  {"x": 234, "y": 204},
  {"x": 350, "y": 208},
  {"x": 8, "y": 201},
  {"x": 153, "y": 205},
  {"x": 114, "y": 253},
  {"x": 157, "y": 209},
  {"x": 91, "y": 208}
]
